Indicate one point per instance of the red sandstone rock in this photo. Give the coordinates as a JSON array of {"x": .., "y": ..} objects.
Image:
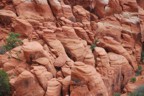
[
  {"x": 61, "y": 33},
  {"x": 22, "y": 27},
  {"x": 83, "y": 74},
  {"x": 7, "y": 14},
  {"x": 130, "y": 87},
  {"x": 46, "y": 62},
  {"x": 121, "y": 67},
  {"x": 66, "y": 85},
  {"x": 81, "y": 14},
  {"x": 53, "y": 88},
  {"x": 115, "y": 46},
  {"x": 42, "y": 75},
  {"x": 81, "y": 91},
  {"x": 31, "y": 49},
  {"x": 36, "y": 9},
  {"x": 26, "y": 84}
]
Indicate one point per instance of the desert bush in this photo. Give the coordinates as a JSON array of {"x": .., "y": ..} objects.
[
  {"x": 4, "y": 84},
  {"x": 138, "y": 92},
  {"x": 142, "y": 56},
  {"x": 93, "y": 45},
  {"x": 2, "y": 50},
  {"x": 142, "y": 53},
  {"x": 139, "y": 70},
  {"x": 133, "y": 80},
  {"x": 12, "y": 41},
  {"x": 116, "y": 94}
]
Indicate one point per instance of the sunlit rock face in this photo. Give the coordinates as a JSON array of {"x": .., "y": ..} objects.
[
  {"x": 73, "y": 47},
  {"x": 105, "y": 2}
]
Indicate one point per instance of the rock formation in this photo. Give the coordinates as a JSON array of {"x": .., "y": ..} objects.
[{"x": 73, "y": 47}]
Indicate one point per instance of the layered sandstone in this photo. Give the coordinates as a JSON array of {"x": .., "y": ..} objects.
[{"x": 72, "y": 47}]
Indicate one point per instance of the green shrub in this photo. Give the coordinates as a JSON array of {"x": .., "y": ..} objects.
[
  {"x": 12, "y": 41},
  {"x": 2, "y": 50},
  {"x": 138, "y": 92},
  {"x": 139, "y": 67},
  {"x": 142, "y": 53},
  {"x": 142, "y": 56},
  {"x": 4, "y": 84},
  {"x": 139, "y": 70},
  {"x": 133, "y": 80},
  {"x": 93, "y": 45},
  {"x": 116, "y": 94}
]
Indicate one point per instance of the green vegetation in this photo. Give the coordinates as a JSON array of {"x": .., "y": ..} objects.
[
  {"x": 116, "y": 94},
  {"x": 142, "y": 53},
  {"x": 142, "y": 56},
  {"x": 138, "y": 92},
  {"x": 139, "y": 70},
  {"x": 11, "y": 42},
  {"x": 4, "y": 84},
  {"x": 93, "y": 45},
  {"x": 133, "y": 80},
  {"x": 2, "y": 50}
]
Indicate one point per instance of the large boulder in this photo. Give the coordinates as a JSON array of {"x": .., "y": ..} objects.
[
  {"x": 75, "y": 47},
  {"x": 33, "y": 9},
  {"x": 81, "y": 14},
  {"x": 56, "y": 7},
  {"x": 115, "y": 69},
  {"x": 7, "y": 13},
  {"x": 27, "y": 85},
  {"x": 42, "y": 75},
  {"x": 83, "y": 74},
  {"x": 23, "y": 27},
  {"x": 32, "y": 50},
  {"x": 123, "y": 72},
  {"x": 48, "y": 65},
  {"x": 6, "y": 17},
  {"x": 81, "y": 91},
  {"x": 112, "y": 45},
  {"x": 53, "y": 88},
  {"x": 66, "y": 85}
]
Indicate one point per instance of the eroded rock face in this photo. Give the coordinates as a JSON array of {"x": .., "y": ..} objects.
[
  {"x": 86, "y": 75},
  {"x": 123, "y": 70},
  {"x": 26, "y": 84},
  {"x": 53, "y": 88},
  {"x": 42, "y": 75},
  {"x": 23, "y": 27},
  {"x": 36, "y": 9},
  {"x": 30, "y": 52},
  {"x": 72, "y": 47},
  {"x": 130, "y": 87},
  {"x": 115, "y": 46},
  {"x": 111, "y": 66}
]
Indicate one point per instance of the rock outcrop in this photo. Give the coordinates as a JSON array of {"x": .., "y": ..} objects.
[{"x": 72, "y": 47}]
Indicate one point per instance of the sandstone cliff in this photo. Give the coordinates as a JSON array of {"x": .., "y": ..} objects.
[{"x": 73, "y": 47}]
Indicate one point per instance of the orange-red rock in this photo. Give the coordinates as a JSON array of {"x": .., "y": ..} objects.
[
  {"x": 72, "y": 47},
  {"x": 26, "y": 84}
]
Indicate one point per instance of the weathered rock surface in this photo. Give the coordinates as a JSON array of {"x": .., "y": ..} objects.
[
  {"x": 26, "y": 84},
  {"x": 73, "y": 47},
  {"x": 86, "y": 75}
]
